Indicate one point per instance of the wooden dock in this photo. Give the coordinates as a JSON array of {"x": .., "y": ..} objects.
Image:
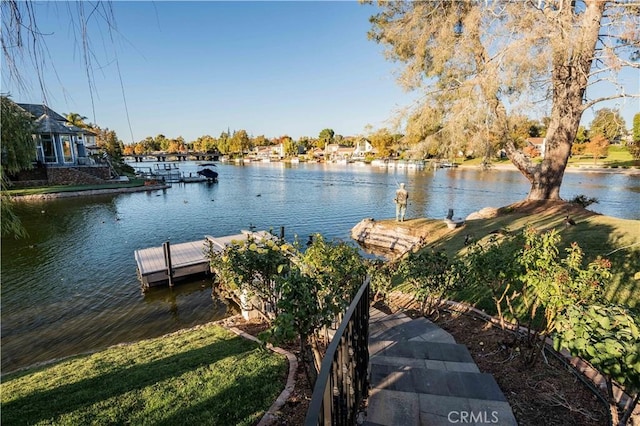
[{"x": 162, "y": 265}]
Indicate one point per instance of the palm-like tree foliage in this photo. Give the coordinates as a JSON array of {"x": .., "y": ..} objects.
[{"x": 76, "y": 119}]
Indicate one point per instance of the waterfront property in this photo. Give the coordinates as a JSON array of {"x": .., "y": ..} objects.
[
  {"x": 76, "y": 272},
  {"x": 57, "y": 140},
  {"x": 63, "y": 151}
]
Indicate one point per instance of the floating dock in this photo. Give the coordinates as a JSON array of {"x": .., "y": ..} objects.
[{"x": 162, "y": 265}]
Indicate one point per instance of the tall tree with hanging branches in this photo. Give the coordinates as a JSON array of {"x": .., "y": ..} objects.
[
  {"x": 18, "y": 152},
  {"x": 481, "y": 62},
  {"x": 24, "y": 44}
]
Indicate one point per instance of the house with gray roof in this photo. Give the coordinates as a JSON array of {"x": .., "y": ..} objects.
[
  {"x": 61, "y": 149},
  {"x": 58, "y": 142}
]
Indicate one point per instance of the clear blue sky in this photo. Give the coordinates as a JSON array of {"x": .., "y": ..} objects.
[{"x": 195, "y": 68}]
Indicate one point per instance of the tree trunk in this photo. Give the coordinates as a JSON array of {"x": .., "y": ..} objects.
[
  {"x": 571, "y": 66},
  {"x": 308, "y": 361}
]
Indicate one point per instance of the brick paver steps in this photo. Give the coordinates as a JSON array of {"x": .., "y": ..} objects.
[{"x": 419, "y": 375}]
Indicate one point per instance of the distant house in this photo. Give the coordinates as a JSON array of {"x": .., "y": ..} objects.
[
  {"x": 63, "y": 151},
  {"x": 58, "y": 142},
  {"x": 335, "y": 152},
  {"x": 275, "y": 152},
  {"x": 362, "y": 148},
  {"x": 538, "y": 144}
]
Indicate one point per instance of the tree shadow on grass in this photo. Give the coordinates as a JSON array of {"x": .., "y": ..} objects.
[
  {"x": 42, "y": 405},
  {"x": 610, "y": 238},
  {"x": 224, "y": 409}
]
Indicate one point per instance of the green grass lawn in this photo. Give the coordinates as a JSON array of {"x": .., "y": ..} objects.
[
  {"x": 598, "y": 235},
  {"x": 203, "y": 376},
  {"x": 617, "y": 157},
  {"x": 72, "y": 188}
]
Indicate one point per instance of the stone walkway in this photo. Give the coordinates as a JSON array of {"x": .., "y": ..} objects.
[{"x": 419, "y": 375}]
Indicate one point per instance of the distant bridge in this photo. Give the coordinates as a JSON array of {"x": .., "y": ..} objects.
[{"x": 177, "y": 156}]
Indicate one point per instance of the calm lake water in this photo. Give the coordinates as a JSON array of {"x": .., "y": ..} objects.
[{"x": 71, "y": 287}]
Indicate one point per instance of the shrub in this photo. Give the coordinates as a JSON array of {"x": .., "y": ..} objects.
[
  {"x": 428, "y": 274},
  {"x": 306, "y": 292},
  {"x": 607, "y": 337}
]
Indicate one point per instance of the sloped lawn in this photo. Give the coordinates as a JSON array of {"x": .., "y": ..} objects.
[{"x": 203, "y": 376}]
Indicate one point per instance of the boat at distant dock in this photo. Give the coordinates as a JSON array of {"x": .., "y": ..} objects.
[{"x": 170, "y": 173}]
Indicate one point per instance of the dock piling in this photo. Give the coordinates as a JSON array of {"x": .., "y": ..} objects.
[{"x": 166, "y": 247}]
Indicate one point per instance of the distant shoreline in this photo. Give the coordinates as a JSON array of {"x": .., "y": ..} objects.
[
  {"x": 497, "y": 167},
  {"x": 569, "y": 169},
  {"x": 89, "y": 192}
]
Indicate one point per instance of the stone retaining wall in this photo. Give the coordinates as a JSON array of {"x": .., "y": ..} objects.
[
  {"x": 78, "y": 175},
  {"x": 394, "y": 239}
]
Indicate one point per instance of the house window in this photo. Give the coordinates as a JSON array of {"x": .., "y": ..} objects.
[
  {"x": 67, "y": 150},
  {"x": 48, "y": 149}
]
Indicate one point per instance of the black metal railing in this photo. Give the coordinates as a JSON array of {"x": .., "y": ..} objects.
[{"x": 342, "y": 383}]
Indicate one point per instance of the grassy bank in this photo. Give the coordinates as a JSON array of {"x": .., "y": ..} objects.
[
  {"x": 132, "y": 183},
  {"x": 206, "y": 376},
  {"x": 617, "y": 157},
  {"x": 598, "y": 235}
]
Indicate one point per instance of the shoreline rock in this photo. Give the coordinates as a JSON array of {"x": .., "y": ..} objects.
[{"x": 391, "y": 237}]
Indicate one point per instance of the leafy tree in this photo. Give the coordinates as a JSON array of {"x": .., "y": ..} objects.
[
  {"x": 76, "y": 119},
  {"x": 139, "y": 149},
  {"x": 634, "y": 146},
  {"x": 108, "y": 141},
  {"x": 477, "y": 61},
  {"x": 224, "y": 145},
  {"x": 18, "y": 153},
  {"x": 173, "y": 147},
  {"x": 581, "y": 136},
  {"x": 325, "y": 137},
  {"x": 578, "y": 148},
  {"x": 382, "y": 141},
  {"x": 182, "y": 145},
  {"x": 205, "y": 143},
  {"x": 162, "y": 142},
  {"x": 608, "y": 123},
  {"x": 18, "y": 145},
  {"x": 240, "y": 142},
  {"x": 536, "y": 129},
  {"x": 150, "y": 144},
  {"x": 290, "y": 146},
  {"x": 521, "y": 128},
  {"x": 261, "y": 140},
  {"x": 598, "y": 147},
  {"x": 305, "y": 143}
]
